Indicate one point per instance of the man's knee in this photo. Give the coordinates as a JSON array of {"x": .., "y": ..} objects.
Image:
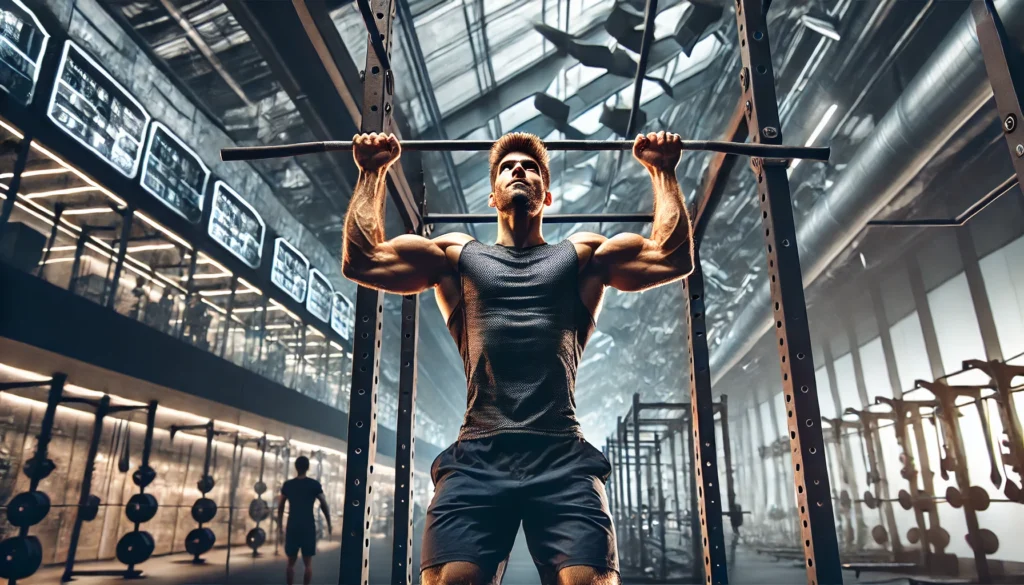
[
  {"x": 456, "y": 573},
  {"x": 584, "y": 575}
]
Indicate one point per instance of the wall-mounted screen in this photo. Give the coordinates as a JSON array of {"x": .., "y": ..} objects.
[
  {"x": 318, "y": 302},
  {"x": 97, "y": 111},
  {"x": 22, "y": 45},
  {"x": 235, "y": 225},
  {"x": 343, "y": 315},
  {"x": 290, "y": 270},
  {"x": 174, "y": 173}
]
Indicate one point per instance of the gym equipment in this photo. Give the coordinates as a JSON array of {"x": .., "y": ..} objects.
[
  {"x": 143, "y": 476},
  {"x": 28, "y": 509},
  {"x": 200, "y": 540},
  {"x": 88, "y": 505},
  {"x": 773, "y": 151},
  {"x": 259, "y": 510},
  {"x": 135, "y": 548},
  {"x": 204, "y": 510},
  {"x": 141, "y": 508},
  {"x": 21, "y": 555}
]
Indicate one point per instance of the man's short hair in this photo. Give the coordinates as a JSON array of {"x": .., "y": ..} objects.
[
  {"x": 302, "y": 464},
  {"x": 525, "y": 143}
]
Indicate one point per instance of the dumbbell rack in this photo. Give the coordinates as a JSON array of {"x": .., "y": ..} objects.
[
  {"x": 21, "y": 555},
  {"x": 200, "y": 540},
  {"x": 136, "y": 546},
  {"x": 258, "y": 508}
]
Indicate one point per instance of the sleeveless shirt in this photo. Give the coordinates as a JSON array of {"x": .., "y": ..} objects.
[{"x": 521, "y": 328}]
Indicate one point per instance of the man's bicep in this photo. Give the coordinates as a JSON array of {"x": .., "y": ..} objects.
[
  {"x": 631, "y": 263},
  {"x": 407, "y": 264}
]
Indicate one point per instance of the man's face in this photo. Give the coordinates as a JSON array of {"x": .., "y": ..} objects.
[{"x": 519, "y": 186}]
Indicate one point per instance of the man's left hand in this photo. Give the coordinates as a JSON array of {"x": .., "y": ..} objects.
[{"x": 658, "y": 152}]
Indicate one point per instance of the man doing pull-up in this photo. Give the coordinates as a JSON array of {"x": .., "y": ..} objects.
[{"x": 521, "y": 312}]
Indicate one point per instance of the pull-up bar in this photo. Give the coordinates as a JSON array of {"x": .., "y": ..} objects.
[{"x": 774, "y": 151}]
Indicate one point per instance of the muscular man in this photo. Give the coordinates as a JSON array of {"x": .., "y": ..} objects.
[
  {"x": 300, "y": 492},
  {"x": 521, "y": 312}
]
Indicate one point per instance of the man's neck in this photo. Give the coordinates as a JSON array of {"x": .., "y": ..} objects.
[
  {"x": 519, "y": 230},
  {"x": 300, "y": 476}
]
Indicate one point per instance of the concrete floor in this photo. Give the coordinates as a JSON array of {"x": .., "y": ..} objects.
[{"x": 748, "y": 569}]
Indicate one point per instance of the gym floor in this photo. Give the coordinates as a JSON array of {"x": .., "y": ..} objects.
[{"x": 749, "y": 569}]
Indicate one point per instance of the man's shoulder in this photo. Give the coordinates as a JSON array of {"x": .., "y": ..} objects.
[{"x": 587, "y": 239}]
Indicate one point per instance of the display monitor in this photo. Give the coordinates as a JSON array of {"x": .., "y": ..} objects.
[
  {"x": 174, "y": 173},
  {"x": 94, "y": 109},
  {"x": 235, "y": 225},
  {"x": 290, "y": 270},
  {"x": 22, "y": 45}
]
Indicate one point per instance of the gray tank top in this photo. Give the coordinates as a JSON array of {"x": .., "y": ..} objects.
[{"x": 521, "y": 328}]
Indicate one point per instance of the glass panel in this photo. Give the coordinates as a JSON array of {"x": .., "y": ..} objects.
[
  {"x": 876, "y": 374},
  {"x": 826, "y": 405},
  {"x": 956, "y": 326},
  {"x": 908, "y": 345},
  {"x": 1003, "y": 271}
]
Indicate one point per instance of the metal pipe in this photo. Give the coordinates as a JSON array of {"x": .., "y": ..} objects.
[
  {"x": 948, "y": 90},
  {"x": 958, "y": 221},
  {"x": 441, "y": 218},
  {"x": 773, "y": 151},
  {"x": 650, "y": 12}
]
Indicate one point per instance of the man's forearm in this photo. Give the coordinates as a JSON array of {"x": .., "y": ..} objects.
[
  {"x": 671, "y": 228},
  {"x": 364, "y": 223}
]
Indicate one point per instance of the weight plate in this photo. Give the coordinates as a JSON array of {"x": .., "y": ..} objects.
[
  {"x": 91, "y": 508},
  {"x": 204, "y": 510},
  {"x": 904, "y": 499},
  {"x": 978, "y": 498},
  {"x": 20, "y": 557},
  {"x": 938, "y": 537},
  {"x": 42, "y": 472},
  {"x": 144, "y": 476},
  {"x": 256, "y": 538},
  {"x": 954, "y": 497},
  {"x": 259, "y": 510},
  {"x": 135, "y": 548},
  {"x": 141, "y": 508},
  {"x": 844, "y": 500},
  {"x": 28, "y": 509},
  {"x": 880, "y": 534},
  {"x": 199, "y": 541},
  {"x": 914, "y": 535},
  {"x": 205, "y": 484},
  {"x": 870, "y": 500},
  {"x": 989, "y": 541},
  {"x": 260, "y": 488}
]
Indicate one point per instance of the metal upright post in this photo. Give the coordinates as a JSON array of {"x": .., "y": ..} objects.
[
  {"x": 83, "y": 498},
  {"x": 676, "y": 431},
  {"x": 401, "y": 555},
  {"x": 624, "y": 457},
  {"x": 1005, "y": 67},
  {"x": 813, "y": 492},
  {"x": 122, "y": 250},
  {"x": 635, "y": 412},
  {"x": 21, "y": 159},
  {"x": 661, "y": 506},
  {"x": 378, "y": 85},
  {"x": 702, "y": 415},
  {"x": 735, "y": 514},
  {"x": 695, "y": 528}
]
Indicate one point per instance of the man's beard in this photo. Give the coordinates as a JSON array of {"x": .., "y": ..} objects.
[{"x": 521, "y": 197}]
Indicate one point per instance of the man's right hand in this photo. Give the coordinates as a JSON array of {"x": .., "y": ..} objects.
[{"x": 375, "y": 152}]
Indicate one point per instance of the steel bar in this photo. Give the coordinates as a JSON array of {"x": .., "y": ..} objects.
[
  {"x": 702, "y": 414},
  {"x": 376, "y": 37},
  {"x": 405, "y": 454},
  {"x": 623, "y": 451},
  {"x": 362, "y": 423},
  {"x": 1005, "y": 66},
  {"x": 695, "y": 529},
  {"x": 961, "y": 219},
  {"x": 675, "y": 477},
  {"x": 662, "y": 512},
  {"x": 83, "y": 498},
  {"x": 810, "y": 472},
  {"x": 650, "y": 13},
  {"x": 771, "y": 151},
  {"x": 471, "y": 218},
  {"x": 716, "y": 178},
  {"x": 735, "y": 517},
  {"x": 642, "y": 556}
]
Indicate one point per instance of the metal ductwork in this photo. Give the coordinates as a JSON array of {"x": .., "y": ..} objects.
[{"x": 950, "y": 88}]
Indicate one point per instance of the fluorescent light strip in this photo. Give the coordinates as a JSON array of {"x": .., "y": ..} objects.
[
  {"x": 38, "y": 173},
  {"x": 59, "y": 192},
  {"x": 155, "y": 225},
  {"x": 224, "y": 292},
  {"x": 58, "y": 160},
  {"x": 151, "y": 247},
  {"x": 255, "y": 309},
  {"x": 59, "y": 248},
  {"x": 11, "y": 129},
  {"x": 249, "y": 286},
  {"x": 287, "y": 312},
  {"x": 207, "y": 276},
  {"x": 817, "y": 132},
  {"x": 88, "y": 211}
]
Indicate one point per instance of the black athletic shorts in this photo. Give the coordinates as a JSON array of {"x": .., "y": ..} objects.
[
  {"x": 300, "y": 539},
  {"x": 554, "y": 486}
]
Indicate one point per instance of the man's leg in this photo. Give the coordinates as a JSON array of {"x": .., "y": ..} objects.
[
  {"x": 290, "y": 571},
  {"x": 458, "y": 573},
  {"x": 583, "y": 575},
  {"x": 307, "y": 576}
]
